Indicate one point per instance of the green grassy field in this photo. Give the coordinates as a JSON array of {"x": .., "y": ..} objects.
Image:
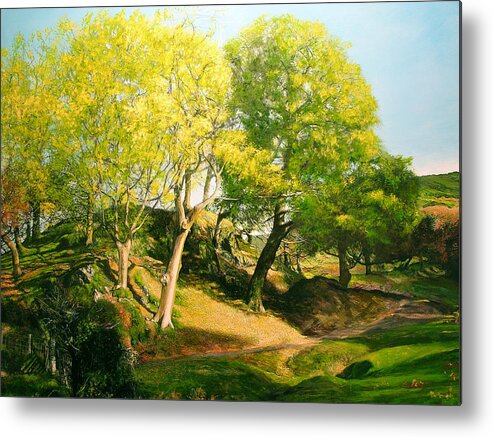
[
  {"x": 443, "y": 189},
  {"x": 416, "y": 364}
]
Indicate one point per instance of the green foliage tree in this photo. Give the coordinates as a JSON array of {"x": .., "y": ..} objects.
[
  {"x": 29, "y": 78},
  {"x": 372, "y": 209},
  {"x": 13, "y": 207},
  {"x": 297, "y": 95},
  {"x": 117, "y": 117}
]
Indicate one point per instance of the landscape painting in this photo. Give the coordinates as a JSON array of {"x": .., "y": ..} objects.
[{"x": 232, "y": 202}]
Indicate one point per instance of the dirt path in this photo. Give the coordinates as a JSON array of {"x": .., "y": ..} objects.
[
  {"x": 236, "y": 353},
  {"x": 387, "y": 321},
  {"x": 392, "y": 321}
]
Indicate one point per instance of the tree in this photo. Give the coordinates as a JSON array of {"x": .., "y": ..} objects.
[
  {"x": 391, "y": 213},
  {"x": 118, "y": 121},
  {"x": 29, "y": 77},
  {"x": 13, "y": 206},
  {"x": 198, "y": 87},
  {"x": 296, "y": 94},
  {"x": 372, "y": 210},
  {"x": 436, "y": 238}
]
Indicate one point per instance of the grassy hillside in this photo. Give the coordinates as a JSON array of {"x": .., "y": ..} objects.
[
  {"x": 219, "y": 350},
  {"x": 442, "y": 189},
  {"x": 416, "y": 364}
]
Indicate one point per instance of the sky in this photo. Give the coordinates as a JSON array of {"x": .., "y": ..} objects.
[{"x": 408, "y": 52}]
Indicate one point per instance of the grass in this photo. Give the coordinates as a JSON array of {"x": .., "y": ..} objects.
[
  {"x": 423, "y": 286},
  {"x": 443, "y": 189},
  {"x": 405, "y": 369},
  {"x": 416, "y": 363},
  {"x": 207, "y": 322},
  {"x": 329, "y": 357},
  {"x": 442, "y": 185},
  {"x": 43, "y": 385},
  {"x": 200, "y": 379}
]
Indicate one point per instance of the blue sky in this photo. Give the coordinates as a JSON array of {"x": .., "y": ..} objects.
[{"x": 409, "y": 53}]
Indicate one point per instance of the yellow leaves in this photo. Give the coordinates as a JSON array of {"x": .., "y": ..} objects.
[
  {"x": 248, "y": 163},
  {"x": 64, "y": 25},
  {"x": 377, "y": 195},
  {"x": 343, "y": 220}
]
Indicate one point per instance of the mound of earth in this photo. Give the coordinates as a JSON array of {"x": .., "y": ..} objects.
[{"x": 320, "y": 305}]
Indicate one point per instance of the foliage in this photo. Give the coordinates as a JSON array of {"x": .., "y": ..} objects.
[
  {"x": 131, "y": 127},
  {"x": 369, "y": 212},
  {"x": 14, "y": 205},
  {"x": 89, "y": 353},
  {"x": 298, "y": 97},
  {"x": 437, "y": 238}
]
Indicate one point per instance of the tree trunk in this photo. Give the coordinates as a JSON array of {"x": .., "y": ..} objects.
[
  {"x": 52, "y": 356},
  {"x": 207, "y": 184},
  {"x": 36, "y": 230},
  {"x": 186, "y": 220},
  {"x": 90, "y": 221},
  {"x": 367, "y": 257},
  {"x": 188, "y": 191},
  {"x": 16, "y": 264},
  {"x": 18, "y": 241},
  {"x": 265, "y": 261},
  {"x": 344, "y": 273},
  {"x": 123, "y": 255},
  {"x": 29, "y": 229},
  {"x": 215, "y": 241},
  {"x": 299, "y": 267},
  {"x": 75, "y": 372},
  {"x": 405, "y": 264},
  {"x": 168, "y": 297}
]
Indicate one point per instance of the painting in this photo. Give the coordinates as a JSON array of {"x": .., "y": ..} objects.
[{"x": 256, "y": 202}]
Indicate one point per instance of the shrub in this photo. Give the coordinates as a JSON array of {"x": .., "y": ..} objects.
[{"x": 89, "y": 351}]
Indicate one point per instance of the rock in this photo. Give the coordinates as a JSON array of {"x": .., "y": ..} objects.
[
  {"x": 88, "y": 271},
  {"x": 80, "y": 276}
]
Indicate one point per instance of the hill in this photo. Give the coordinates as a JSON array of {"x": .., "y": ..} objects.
[
  {"x": 318, "y": 343},
  {"x": 441, "y": 189}
]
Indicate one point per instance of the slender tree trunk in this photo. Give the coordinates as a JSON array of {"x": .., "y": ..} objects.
[
  {"x": 265, "y": 261},
  {"x": 123, "y": 255},
  {"x": 36, "y": 230},
  {"x": 299, "y": 267},
  {"x": 367, "y": 257},
  {"x": 52, "y": 356},
  {"x": 29, "y": 229},
  {"x": 168, "y": 297},
  {"x": 16, "y": 264},
  {"x": 186, "y": 218},
  {"x": 188, "y": 191},
  {"x": 207, "y": 184},
  {"x": 90, "y": 221},
  {"x": 406, "y": 263},
  {"x": 344, "y": 273},
  {"x": 18, "y": 241},
  {"x": 75, "y": 373},
  {"x": 215, "y": 241}
]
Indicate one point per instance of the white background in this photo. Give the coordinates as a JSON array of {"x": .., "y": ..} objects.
[{"x": 55, "y": 417}]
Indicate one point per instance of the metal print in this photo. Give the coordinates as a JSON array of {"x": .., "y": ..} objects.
[{"x": 244, "y": 202}]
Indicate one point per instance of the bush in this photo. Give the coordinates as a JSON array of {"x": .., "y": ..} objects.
[{"x": 89, "y": 351}]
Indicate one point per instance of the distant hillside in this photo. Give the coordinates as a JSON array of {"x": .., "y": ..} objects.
[{"x": 441, "y": 189}]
